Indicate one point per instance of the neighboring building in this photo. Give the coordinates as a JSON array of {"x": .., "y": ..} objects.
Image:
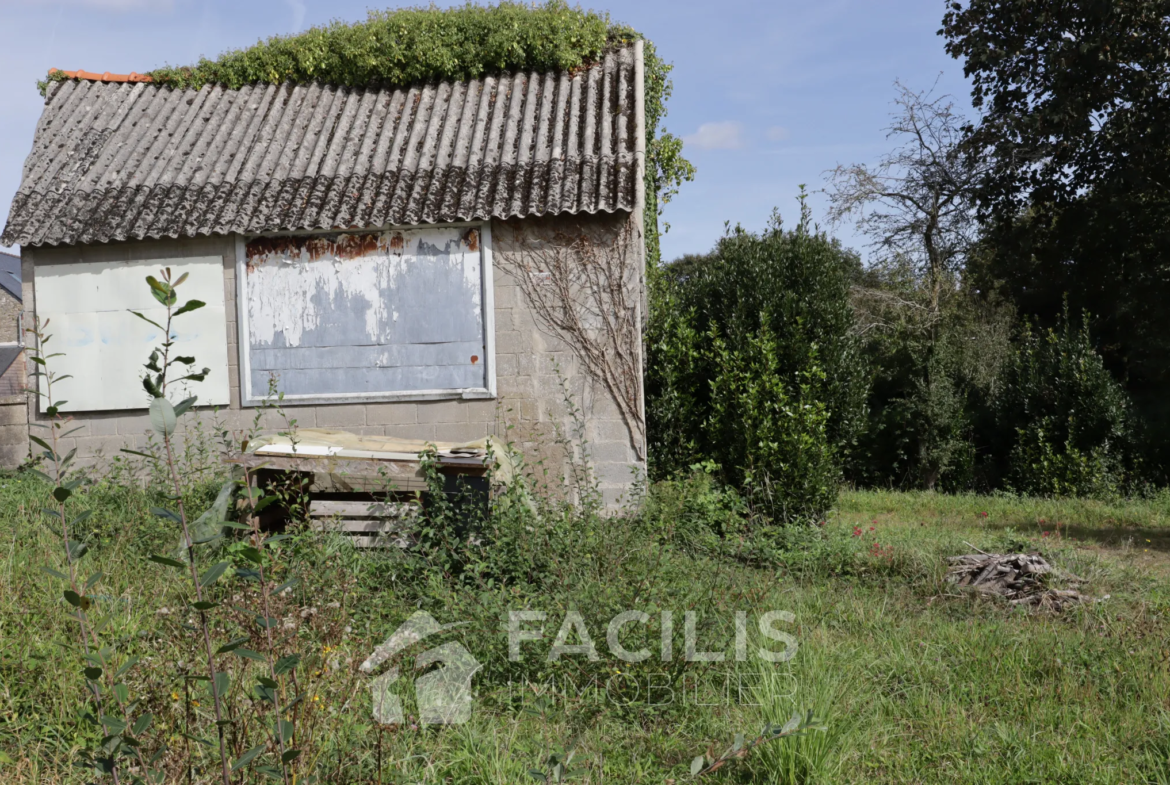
[
  {"x": 404, "y": 262},
  {"x": 13, "y": 411},
  {"x": 10, "y": 297}
]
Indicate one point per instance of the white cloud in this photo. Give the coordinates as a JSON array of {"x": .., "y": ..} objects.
[
  {"x": 778, "y": 133},
  {"x": 298, "y": 13},
  {"x": 725, "y": 135}
]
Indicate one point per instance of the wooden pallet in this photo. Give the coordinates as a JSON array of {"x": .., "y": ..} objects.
[{"x": 367, "y": 524}]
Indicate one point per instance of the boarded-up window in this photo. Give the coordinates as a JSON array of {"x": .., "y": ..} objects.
[
  {"x": 373, "y": 316},
  {"x": 88, "y": 308}
]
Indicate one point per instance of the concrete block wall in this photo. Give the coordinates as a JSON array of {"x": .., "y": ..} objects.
[{"x": 534, "y": 372}]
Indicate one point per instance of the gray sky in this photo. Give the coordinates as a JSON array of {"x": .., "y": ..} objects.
[{"x": 767, "y": 95}]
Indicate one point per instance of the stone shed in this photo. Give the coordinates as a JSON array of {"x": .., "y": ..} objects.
[{"x": 433, "y": 262}]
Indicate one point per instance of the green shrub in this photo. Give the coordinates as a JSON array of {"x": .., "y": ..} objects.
[
  {"x": 1065, "y": 420},
  {"x": 929, "y": 419},
  {"x": 751, "y": 364},
  {"x": 694, "y": 511}
]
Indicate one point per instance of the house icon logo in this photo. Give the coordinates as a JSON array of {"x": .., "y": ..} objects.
[{"x": 443, "y": 695}]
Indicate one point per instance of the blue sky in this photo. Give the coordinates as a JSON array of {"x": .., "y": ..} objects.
[{"x": 767, "y": 95}]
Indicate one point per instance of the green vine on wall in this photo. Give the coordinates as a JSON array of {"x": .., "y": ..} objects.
[{"x": 399, "y": 47}]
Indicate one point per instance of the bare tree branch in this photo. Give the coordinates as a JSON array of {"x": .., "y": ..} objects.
[
  {"x": 585, "y": 290},
  {"x": 916, "y": 204}
]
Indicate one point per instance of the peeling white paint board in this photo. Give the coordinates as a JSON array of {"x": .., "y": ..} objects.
[
  {"x": 366, "y": 315},
  {"x": 105, "y": 346}
]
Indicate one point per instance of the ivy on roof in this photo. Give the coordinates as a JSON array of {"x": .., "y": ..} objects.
[
  {"x": 399, "y": 47},
  {"x": 410, "y": 45}
]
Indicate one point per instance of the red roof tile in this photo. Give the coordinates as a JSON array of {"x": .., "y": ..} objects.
[{"x": 106, "y": 77}]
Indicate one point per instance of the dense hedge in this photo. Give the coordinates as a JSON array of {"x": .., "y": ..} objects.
[{"x": 752, "y": 366}]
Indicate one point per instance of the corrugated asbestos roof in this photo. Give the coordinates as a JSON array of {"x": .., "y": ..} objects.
[{"x": 115, "y": 161}]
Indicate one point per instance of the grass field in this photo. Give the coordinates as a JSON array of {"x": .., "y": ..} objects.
[{"x": 914, "y": 681}]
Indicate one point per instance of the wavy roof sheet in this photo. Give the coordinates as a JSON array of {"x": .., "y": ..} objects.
[{"x": 119, "y": 161}]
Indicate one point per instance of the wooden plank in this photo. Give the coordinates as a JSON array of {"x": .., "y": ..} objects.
[
  {"x": 362, "y": 541},
  {"x": 323, "y": 508},
  {"x": 348, "y": 483},
  {"x": 358, "y": 525}
]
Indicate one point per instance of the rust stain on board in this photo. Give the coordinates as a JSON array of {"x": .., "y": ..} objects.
[
  {"x": 474, "y": 359},
  {"x": 344, "y": 246},
  {"x": 471, "y": 239}
]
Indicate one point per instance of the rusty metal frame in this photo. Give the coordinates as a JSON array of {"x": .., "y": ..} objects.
[{"x": 247, "y": 399}]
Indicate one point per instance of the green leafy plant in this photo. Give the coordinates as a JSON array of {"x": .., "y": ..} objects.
[
  {"x": 752, "y": 364},
  {"x": 164, "y": 419},
  {"x": 709, "y": 762},
  {"x": 1066, "y": 422},
  {"x": 120, "y": 720}
]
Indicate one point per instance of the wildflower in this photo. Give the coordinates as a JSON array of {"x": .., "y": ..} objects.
[
  {"x": 871, "y": 528},
  {"x": 856, "y": 531},
  {"x": 195, "y": 703},
  {"x": 1043, "y": 534},
  {"x": 174, "y": 696}
]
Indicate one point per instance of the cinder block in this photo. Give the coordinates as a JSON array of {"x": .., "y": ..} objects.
[
  {"x": 609, "y": 431},
  {"x": 14, "y": 414},
  {"x": 12, "y": 455},
  {"x": 506, "y": 365},
  {"x": 108, "y": 446},
  {"x": 133, "y": 424},
  {"x": 461, "y": 432},
  {"x": 342, "y": 416},
  {"x": 611, "y": 452},
  {"x": 515, "y": 386},
  {"x": 512, "y": 342},
  {"x": 484, "y": 411},
  {"x": 306, "y": 416},
  {"x": 442, "y": 412},
  {"x": 404, "y": 413},
  {"x": 15, "y": 434},
  {"x": 504, "y": 295},
  {"x": 614, "y": 474}
]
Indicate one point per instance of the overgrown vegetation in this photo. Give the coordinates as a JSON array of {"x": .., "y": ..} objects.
[
  {"x": 885, "y": 652},
  {"x": 752, "y": 364}
]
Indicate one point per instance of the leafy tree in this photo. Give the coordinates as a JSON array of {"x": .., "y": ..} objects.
[
  {"x": 1075, "y": 126},
  {"x": 752, "y": 363},
  {"x": 1064, "y": 420},
  {"x": 916, "y": 207}
]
